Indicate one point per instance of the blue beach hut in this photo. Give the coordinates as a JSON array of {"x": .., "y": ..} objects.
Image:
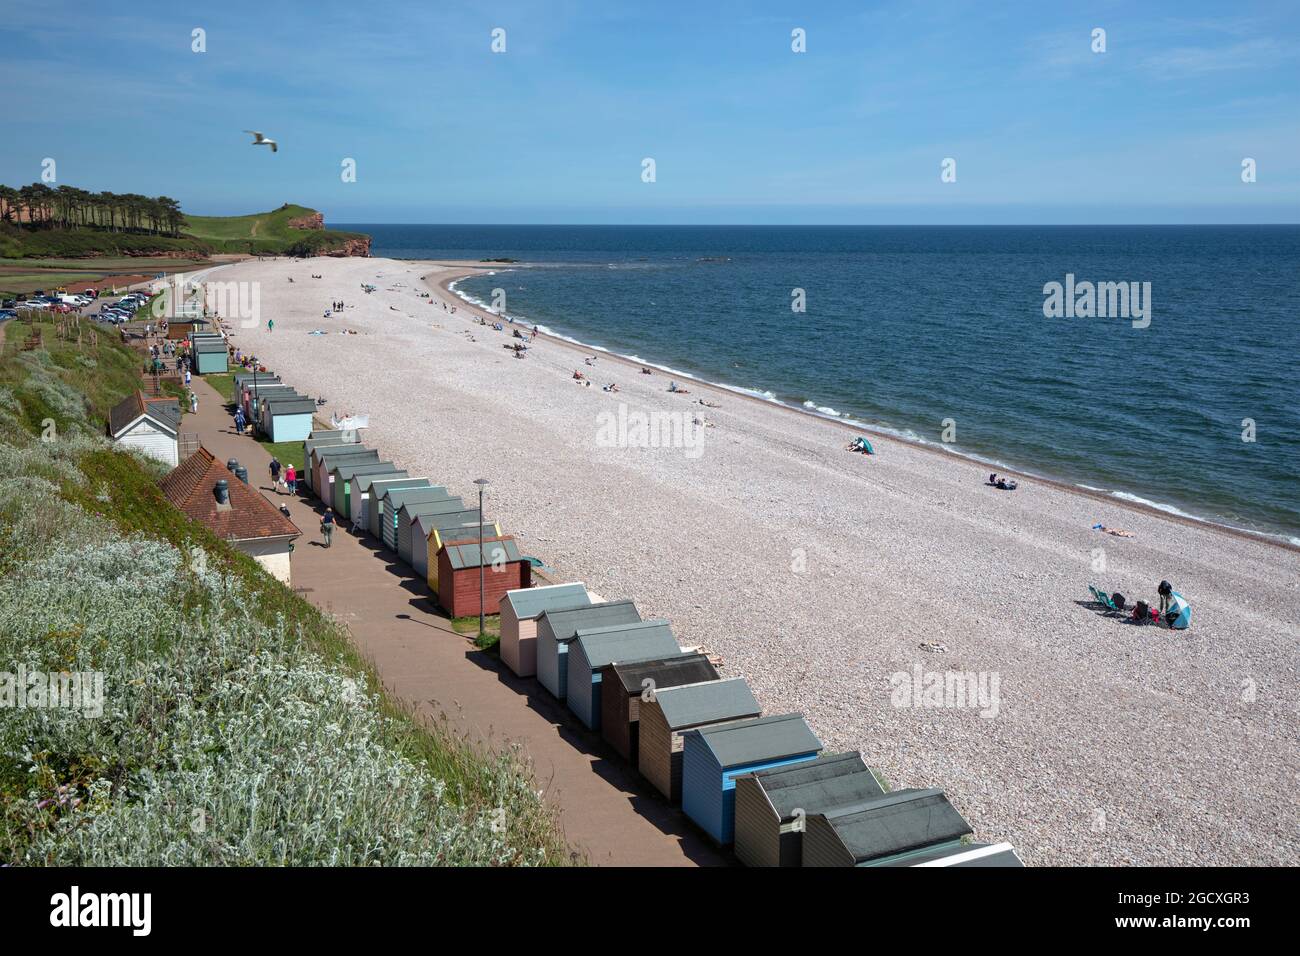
[
  {"x": 712, "y": 758},
  {"x": 593, "y": 648}
]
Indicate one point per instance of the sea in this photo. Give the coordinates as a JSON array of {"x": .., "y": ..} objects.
[{"x": 955, "y": 337}]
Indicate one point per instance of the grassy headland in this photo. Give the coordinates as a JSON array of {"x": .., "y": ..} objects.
[{"x": 44, "y": 222}]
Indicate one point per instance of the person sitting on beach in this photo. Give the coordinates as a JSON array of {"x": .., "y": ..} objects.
[{"x": 578, "y": 375}]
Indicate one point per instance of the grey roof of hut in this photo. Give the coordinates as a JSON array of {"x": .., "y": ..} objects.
[
  {"x": 693, "y": 704},
  {"x": 364, "y": 481},
  {"x": 356, "y": 469},
  {"x": 531, "y": 602},
  {"x": 332, "y": 455},
  {"x": 665, "y": 672},
  {"x": 565, "y": 622},
  {"x": 445, "y": 520},
  {"x": 638, "y": 640},
  {"x": 399, "y": 496},
  {"x": 466, "y": 555},
  {"x": 260, "y": 379},
  {"x": 897, "y": 822},
  {"x": 290, "y": 406},
  {"x": 168, "y": 408},
  {"x": 439, "y": 506},
  {"x": 763, "y": 738},
  {"x": 834, "y": 780},
  {"x": 209, "y": 346}
]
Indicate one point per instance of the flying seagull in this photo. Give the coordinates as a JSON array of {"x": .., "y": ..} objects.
[{"x": 262, "y": 140}]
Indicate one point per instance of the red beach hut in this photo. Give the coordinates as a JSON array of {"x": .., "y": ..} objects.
[{"x": 504, "y": 569}]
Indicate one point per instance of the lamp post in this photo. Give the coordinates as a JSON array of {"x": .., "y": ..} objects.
[{"x": 482, "y": 483}]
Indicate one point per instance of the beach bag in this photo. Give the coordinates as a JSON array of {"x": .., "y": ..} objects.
[
  {"x": 1141, "y": 612},
  {"x": 1119, "y": 600}
]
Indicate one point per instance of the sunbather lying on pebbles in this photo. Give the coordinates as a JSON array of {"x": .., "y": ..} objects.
[{"x": 1117, "y": 532}]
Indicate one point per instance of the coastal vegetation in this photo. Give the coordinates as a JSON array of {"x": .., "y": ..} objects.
[
  {"x": 41, "y": 221},
  {"x": 238, "y": 724}
]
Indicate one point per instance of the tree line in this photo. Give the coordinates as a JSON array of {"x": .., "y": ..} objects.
[{"x": 64, "y": 207}]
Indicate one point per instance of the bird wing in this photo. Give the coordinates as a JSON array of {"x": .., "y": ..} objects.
[
  {"x": 259, "y": 136},
  {"x": 274, "y": 147}
]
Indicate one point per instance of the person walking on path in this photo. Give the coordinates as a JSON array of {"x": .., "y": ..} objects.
[
  {"x": 270, "y": 325},
  {"x": 327, "y": 526},
  {"x": 291, "y": 479},
  {"x": 275, "y": 474},
  {"x": 240, "y": 422}
]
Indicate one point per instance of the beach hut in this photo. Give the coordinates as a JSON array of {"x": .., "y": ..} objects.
[
  {"x": 343, "y": 475},
  {"x": 556, "y": 628},
  {"x": 773, "y": 805},
  {"x": 251, "y": 396},
  {"x": 519, "y": 613},
  {"x": 250, "y": 382},
  {"x": 150, "y": 426},
  {"x": 672, "y": 712},
  {"x": 885, "y": 829},
  {"x": 622, "y": 685},
  {"x": 324, "y": 459},
  {"x": 287, "y": 419},
  {"x": 968, "y": 854},
  {"x": 319, "y": 439},
  {"x": 712, "y": 758},
  {"x": 205, "y": 490},
  {"x": 386, "y": 506},
  {"x": 401, "y": 531},
  {"x": 367, "y": 487},
  {"x": 430, "y": 531},
  {"x": 461, "y": 567},
  {"x": 210, "y": 357},
  {"x": 594, "y": 647}
]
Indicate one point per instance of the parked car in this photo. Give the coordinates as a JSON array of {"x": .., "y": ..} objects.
[{"x": 7, "y": 314}]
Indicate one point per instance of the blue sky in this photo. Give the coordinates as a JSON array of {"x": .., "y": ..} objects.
[{"x": 742, "y": 129}]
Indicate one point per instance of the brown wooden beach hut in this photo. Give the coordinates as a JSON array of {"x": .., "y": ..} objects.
[
  {"x": 678, "y": 709},
  {"x": 883, "y": 830},
  {"x": 773, "y": 805},
  {"x": 503, "y": 569},
  {"x": 624, "y": 685}
]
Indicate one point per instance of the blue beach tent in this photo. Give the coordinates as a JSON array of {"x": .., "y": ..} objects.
[{"x": 1179, "y": 615}]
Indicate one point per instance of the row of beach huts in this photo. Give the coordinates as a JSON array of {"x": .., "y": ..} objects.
[{"x": 760, "y": 783}]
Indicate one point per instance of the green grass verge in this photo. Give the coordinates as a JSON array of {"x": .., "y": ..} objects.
[
  {"x": 288, "y": 452},
  {"x": 489, "y": 640}
]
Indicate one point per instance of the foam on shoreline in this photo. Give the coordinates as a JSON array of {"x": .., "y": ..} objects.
[{"x": 810, "y": 407}]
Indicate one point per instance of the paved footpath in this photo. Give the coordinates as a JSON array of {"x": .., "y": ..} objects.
[{"x": 605, "y": 807}]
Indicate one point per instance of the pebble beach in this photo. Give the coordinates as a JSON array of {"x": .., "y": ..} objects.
[{"x": 829, "y": 579}]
